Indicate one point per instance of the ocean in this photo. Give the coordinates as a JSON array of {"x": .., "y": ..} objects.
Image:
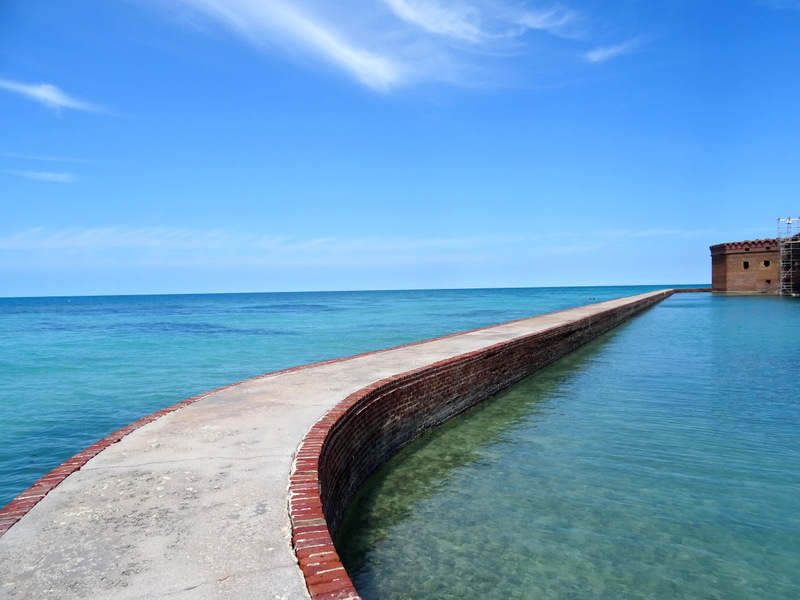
[
  {"x": 659, "y": 462},
  {"x": 74, "y": 369}
]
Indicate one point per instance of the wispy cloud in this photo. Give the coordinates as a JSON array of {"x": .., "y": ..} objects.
[
  {"x": 386, "y": 44},
  {"x": 49, "y": 95},
  {"x": 294, "y": 26},
  {"x": 48, "y": 158},
  {"x": 228, "y": 249},
  {"x": 176, "y": 239},
  {"x": 106, "y": 238},
  {"x": 459, "y": 21},
  {"x": 640, "y": 233},
  {"x": 48, "y": 176},
  {"x": 235, "y": 246},
  {"x": 606, "y": 53},
  {"x": 478, "y": 22}
]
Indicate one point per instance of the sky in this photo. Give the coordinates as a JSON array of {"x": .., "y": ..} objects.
[{"x": 203, "y": 146}]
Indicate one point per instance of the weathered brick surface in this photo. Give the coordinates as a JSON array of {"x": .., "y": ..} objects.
[
  {"x": 352, "y": 440},
  {"x": 750, "y": 266},
  {"x": 343, "y": 449}
]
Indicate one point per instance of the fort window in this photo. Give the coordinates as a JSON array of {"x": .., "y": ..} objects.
[
  {"x": 766, "y": 263},
  {"x": 769, "y": 280},
  {"x": 747, "y": 249},
  {"x": 746, "y": 265}
]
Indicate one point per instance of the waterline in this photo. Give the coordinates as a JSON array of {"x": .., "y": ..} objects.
[
  {"x": 73, "y": 370},
  {"x": 659, "y": 462}
]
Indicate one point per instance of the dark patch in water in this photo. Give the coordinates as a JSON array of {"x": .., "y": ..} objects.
[
  {"x": 206, "y": 329},
  {"x": 170, "y": 328},
  {"x": 297, "y": 308},
  {"x": 496, "y": 315}
]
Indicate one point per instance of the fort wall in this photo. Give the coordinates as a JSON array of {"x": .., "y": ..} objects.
[
  {"x": 746, "y": 267},
  {"x": 193, "y": 500},
  {"x": 347, "y": 446}
]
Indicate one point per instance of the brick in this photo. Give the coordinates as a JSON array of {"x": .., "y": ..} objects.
[
  {"x": 329, "y": 576},
  {"x": 316, "y": 555},
  {"x": 345, "y": 594},
  {"x": 318, "y": 544},
  {"x": 7, "y": 522},
  {"x": 316, "y": 528},
  {"x": 328, "y": 587}
]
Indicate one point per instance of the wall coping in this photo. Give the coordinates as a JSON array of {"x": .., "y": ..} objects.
[
  {"x": 324, "y": 573},
  {"x": 27, "y": 499},
  {"x": 753, "y": 246},
  {"x": 35, "y": 526}
]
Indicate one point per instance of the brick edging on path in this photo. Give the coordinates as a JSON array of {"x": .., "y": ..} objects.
[
  {"x": 26, "y": 500},
  {"x": 350, "y": 442},
  {"x": 19, "y": 506}
]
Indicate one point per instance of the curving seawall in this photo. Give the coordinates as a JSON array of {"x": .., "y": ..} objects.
[
  {"x": 191, "y": 502},
  {"x": 347, "y": 446}
]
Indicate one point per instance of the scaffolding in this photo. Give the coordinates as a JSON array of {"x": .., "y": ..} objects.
[{"x": 789, "y": 245}]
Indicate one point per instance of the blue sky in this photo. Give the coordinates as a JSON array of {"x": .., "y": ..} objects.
[{"x": 181, "y": 146}]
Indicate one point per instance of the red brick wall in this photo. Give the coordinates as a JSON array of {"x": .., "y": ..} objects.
[
  {"x": 750, "y": 266},
  {"x": 349, "y": 444}
]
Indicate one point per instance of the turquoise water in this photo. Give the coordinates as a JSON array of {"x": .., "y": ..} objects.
[
  {"x": 660, "y": 462},
  {"x": 73, "y": 370}
]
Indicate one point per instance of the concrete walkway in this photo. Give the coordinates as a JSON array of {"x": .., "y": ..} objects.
[{"x": 194, "y": 504}]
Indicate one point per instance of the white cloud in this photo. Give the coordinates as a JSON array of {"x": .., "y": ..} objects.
[
  {"x": 227, "y": 249},
  {"x": 554, "y": 20},
  {"x": 458, "y": 21},
  {"x": 44, "y": 176},
  {"x": 279, "y": 23},
  {"x": 606, "y": 53},
  {"x": 385, "y": 44},
  {"x": 49, "y": 95},
  {"x": 638, "y": 233},
  {"x": 177, "y": 239},
  {"x": 377, "y": 71},
  {"x": 231, "y": 259},
  {"x": 478, "y": 22},
  {"x": 234, "y": 246},
  {"x": 48, "y": 158}
]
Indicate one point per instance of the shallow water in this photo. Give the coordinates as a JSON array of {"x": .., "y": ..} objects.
[
  {"x": 661, "y": 461},
  {"x": 73, "y": 370}
]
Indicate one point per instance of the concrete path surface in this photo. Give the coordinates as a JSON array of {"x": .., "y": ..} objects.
[{"x": 194, "y": 504}]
